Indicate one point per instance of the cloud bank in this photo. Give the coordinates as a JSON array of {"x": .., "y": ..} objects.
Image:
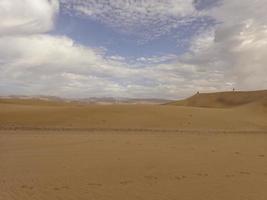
[
  {"x": 58, "y": 66},
  {"x": 238, "y": 45},
  {"x": 27, "y": 16},
  {"x": 230, "y": 54}
]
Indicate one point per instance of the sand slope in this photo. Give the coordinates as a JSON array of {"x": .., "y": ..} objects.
[
  {"x": 69, "y": 115},
  {"x": 225, "y": 99}
]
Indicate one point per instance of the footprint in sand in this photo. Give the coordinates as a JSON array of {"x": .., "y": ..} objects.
[
  {"x": 151, "y": 178},
  {"x": 244, "y": 173},
  {"x": 261, "y": 156},
  {"x": 180, "y": 177},
  {"x": 61, "y": 188},
  {"x": 229, "y": 175},
  {"x": 125, "y": 182},
  {"x": 202, "y": 174},
  {"x": 95, "y": 184},
  {"x": 27, "y": 187},
  {"x": 56, "y": 188}
]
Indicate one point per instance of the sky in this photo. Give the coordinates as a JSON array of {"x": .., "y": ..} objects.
[{"x": 166, "y": 49}]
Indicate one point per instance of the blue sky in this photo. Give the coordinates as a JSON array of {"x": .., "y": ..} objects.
[
  {"x": 94, "y": 33},
  {"x": 134, "y": 48}
]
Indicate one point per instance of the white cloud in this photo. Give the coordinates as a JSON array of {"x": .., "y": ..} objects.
[
  {"x": 157, "y": 59},
  {"x": 148, "y": 19},
  {"x": 232, "y": 12},
  {"x": 57, "y": 66},
  {"x": 27, "y": 16},
  {"x": 238, "y": 47},
  {"x": 231, "y": 54},
  {"x": 203, "y": 41}
]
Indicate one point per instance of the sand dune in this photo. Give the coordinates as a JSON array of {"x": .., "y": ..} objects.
[
  {"x": 225, "y": 99},
  {"x": 72, "y": 151},
  {"x": 36, "y": 113}
]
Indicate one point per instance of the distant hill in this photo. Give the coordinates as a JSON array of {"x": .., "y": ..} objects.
[
  {"x": 51, "y": 100},
  {"x": 224, "y": 99}
]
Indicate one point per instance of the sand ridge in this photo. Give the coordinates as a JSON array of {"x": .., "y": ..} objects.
[
  {"x": 166, "y": 117},
  {"x": 225, "y": 99}
]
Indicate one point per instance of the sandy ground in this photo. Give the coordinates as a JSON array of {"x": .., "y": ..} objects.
[
  {"x": 132, "y": 152},
  {"x": 132, "y": 117},
  {"x": 78, "y": 165}
]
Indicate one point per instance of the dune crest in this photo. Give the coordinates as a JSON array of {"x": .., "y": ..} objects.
[{"x": 225, "y": 99}]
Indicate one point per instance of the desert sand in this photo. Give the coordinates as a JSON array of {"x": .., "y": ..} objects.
[{"x": 206, "y": 149}]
